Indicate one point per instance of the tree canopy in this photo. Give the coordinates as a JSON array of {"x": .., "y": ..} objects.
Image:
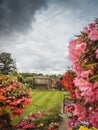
[{"x": 7, "y": 64}]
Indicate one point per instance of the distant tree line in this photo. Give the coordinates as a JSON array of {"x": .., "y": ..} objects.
[{"x": 8, "y": 67}]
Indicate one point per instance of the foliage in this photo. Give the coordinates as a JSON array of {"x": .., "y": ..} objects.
[
  {"x": 34, "y": 83},
  {"x": 31, "y": 82},
  {"x": 7, "y": 64},
  {"x": 27, "y": 79},
  {"x": 84, "y": 56},
  {"x": 51, "y": 116},
  {"x": 5, "y": 120},
  {"x": 58, "y": 84}
]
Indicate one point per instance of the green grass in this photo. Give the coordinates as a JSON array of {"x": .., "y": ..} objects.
[{"x": 42, "y": 100}]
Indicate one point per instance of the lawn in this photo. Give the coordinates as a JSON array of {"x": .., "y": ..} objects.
[{"x": 42, "y": 100}]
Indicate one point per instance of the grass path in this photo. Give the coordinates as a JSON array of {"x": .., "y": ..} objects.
[{"x": 42, "y": 100}]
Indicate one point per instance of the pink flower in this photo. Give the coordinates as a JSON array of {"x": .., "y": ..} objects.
[
  {"x": 75, "y": 50},
  {"x": 22, "y": 124},
  {"x": 77, "y": 68},
  {"x": 96, "y": 95},
  {"x": 83, "y": 46},
  {"x": 72, "y": 49},
  {"x": 90, "y": 96},
  {"x": 92, "y": 26},
  {"x": 96, "y": 53},
  {"x": 93, "y": 35},
  {"x": 84, "y": 86},
  {"x": 95, "y": 86},
  {"x": 85, "y": 74},
  {"x": 78, "y": 94},
  {"x": 93, "y": 118},
  {"x": 75, "y": 42},
  {"x": 86, "y": 30},
  {"x": 72, "y": 123},
  {"x": 80, "y": 111}
]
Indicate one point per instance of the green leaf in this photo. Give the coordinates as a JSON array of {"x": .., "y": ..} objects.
[
  {"x": 95, "y": 77},
  {"x": 90, "y": 65},
  {"x": 95, "y": 46}
]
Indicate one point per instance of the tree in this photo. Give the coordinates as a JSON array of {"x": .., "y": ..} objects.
[{"x": 7, "y": 64}]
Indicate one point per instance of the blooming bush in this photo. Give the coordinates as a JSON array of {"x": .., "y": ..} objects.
[
  {"x": 84, "y": 56},
  {"x": 13, "y": 97},
  {"x": 68, "y": 83}
]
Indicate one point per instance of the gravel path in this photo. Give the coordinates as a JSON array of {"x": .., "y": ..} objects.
[{"x": 64, "y": 124}]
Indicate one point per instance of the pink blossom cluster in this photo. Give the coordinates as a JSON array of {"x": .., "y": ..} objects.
[
  {"x": 75, "y": 50},
  {"x": 81, "y": 112},
  {"x": 92, "y": 31},
  {"x": 83, "y": 52}
]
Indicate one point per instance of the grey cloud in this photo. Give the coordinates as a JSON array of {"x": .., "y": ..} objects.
[
  {"x": 87, "y": 9},
  {"x": 76, "y": 4},
  {"x": 17, "y": 15}
]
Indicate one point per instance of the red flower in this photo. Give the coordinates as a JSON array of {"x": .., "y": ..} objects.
[
  {"x": 68, "y": 82},
  {"x": 13, "y": 95}
]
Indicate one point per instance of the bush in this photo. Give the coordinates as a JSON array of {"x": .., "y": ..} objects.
[
  {"x": 13, "y": 98},
  {"x": 84, "y": 55}
]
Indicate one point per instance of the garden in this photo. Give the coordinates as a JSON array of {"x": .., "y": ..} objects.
[
  {"x": 22, "y": 108},
  {"x": 42, "y": 101},
  {"x": 42, "y": 109}
]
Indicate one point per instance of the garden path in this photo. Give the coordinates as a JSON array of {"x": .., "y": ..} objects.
[{"x": 64, "y": 123}]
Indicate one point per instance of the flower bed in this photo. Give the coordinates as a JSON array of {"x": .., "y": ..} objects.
[{"x": 48, "y": 120}]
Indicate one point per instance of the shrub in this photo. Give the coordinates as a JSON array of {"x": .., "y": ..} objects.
[
  {"x": 84, "y": 56},
  {"x": 13, "y": 98}
]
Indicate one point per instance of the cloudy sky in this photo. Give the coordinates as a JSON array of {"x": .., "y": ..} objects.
[{"x": 37, "y": 32}]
